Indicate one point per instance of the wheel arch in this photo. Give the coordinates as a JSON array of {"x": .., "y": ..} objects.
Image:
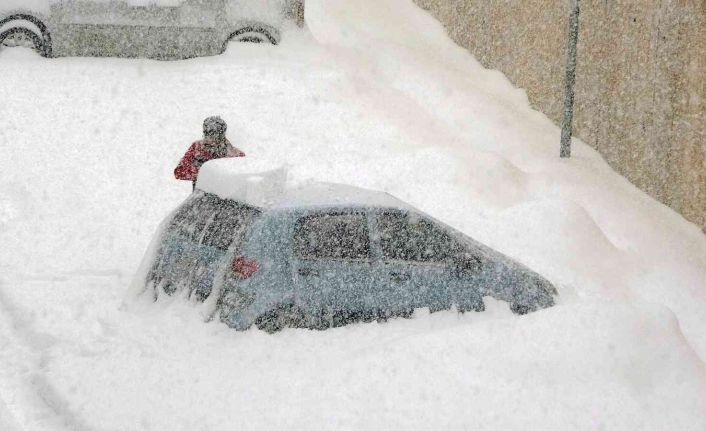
[{"x": 244, "y": 28}]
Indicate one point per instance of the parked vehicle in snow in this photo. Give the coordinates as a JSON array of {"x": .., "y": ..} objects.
[
  {"x": 166, "y": 29},
  {"x": 324, "y": 255}
]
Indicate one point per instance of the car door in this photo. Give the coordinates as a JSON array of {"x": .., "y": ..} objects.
[
  {"x": 419, "y": 266},
  {"x": 332, "y": 264}
]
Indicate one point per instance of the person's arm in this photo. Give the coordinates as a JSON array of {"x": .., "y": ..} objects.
[
  {"x": 234, "y": 152},
  {"x": 187, "y": 169}
]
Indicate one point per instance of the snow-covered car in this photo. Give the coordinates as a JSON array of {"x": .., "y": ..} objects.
[
  {"x": 161, "y": 29},
  {"x": 323, "y": 255}
]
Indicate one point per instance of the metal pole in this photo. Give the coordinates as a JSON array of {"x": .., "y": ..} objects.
[{"x": 570, "y": 80}]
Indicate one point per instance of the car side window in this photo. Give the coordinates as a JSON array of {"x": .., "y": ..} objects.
[
  {"x": 409, "y": 237},
  {"x": 332, "y": 236}
]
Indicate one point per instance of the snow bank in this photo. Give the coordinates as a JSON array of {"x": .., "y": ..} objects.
[
  {"x": 384, "y": 23},
  {"x": 575, "y": 221},
  {"x": 594, "y": 365}
]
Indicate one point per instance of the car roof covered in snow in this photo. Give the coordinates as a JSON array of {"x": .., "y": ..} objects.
[
  {"x": 336, "y": 195},
  {"x": 265, "y": 184}
]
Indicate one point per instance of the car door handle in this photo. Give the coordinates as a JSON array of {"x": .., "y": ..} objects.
[
  {"x": 308, "y": 272},
  {"x": 399, "y": 277}
]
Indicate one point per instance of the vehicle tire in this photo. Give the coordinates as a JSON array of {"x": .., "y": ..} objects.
[
  {"x": 343, "y": 318},
  {"x": 478, "y": 305},
  {"x": 383, "y": 315},
  {"x": 23, "y": 37},
  {"x": 285, "y": 315},
  {"x": 322, "y": 320},
  {"x": 406, "y": 313},
  {"x": 26, "y": 30},
  {"x": 368, "y": 316},
  {"x": 520, "y": 308}
]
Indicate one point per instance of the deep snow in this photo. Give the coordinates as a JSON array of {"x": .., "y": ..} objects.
[{"x": 89, "y": 146}]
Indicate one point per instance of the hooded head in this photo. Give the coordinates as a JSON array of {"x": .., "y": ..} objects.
[{"x": 214, "y": 129}]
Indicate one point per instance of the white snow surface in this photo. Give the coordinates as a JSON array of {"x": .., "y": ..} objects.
[
  {"x": 258, "y": 182},
  {"x": 366, "y": 99},
  {"x": 318, "y": 194}
]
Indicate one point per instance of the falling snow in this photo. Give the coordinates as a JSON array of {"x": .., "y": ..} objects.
[{"x": 360, "y": 98}]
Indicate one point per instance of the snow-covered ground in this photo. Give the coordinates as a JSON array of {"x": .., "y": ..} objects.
[{"x": 366, "y": 98}]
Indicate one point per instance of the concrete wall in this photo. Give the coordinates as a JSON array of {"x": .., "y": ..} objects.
[{"x": 640, "y": 86}]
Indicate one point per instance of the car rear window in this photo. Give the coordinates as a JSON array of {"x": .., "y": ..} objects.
[
  {"x": 332, "y": 236},
  {"x": 209, "y": 220}
]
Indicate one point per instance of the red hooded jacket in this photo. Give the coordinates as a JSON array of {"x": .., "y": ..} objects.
[{"x": 197, "y": 155}]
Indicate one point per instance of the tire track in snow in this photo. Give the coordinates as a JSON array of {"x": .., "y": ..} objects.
[
  {"x": 7, "y": 420},
  {"x": 25, "y": 353}
]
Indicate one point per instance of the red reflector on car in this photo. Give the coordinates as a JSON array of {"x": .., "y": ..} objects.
[{"x": 244, "y": 268}]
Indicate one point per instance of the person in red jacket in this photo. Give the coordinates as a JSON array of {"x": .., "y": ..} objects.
[{"x": 214, "y": 145}]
